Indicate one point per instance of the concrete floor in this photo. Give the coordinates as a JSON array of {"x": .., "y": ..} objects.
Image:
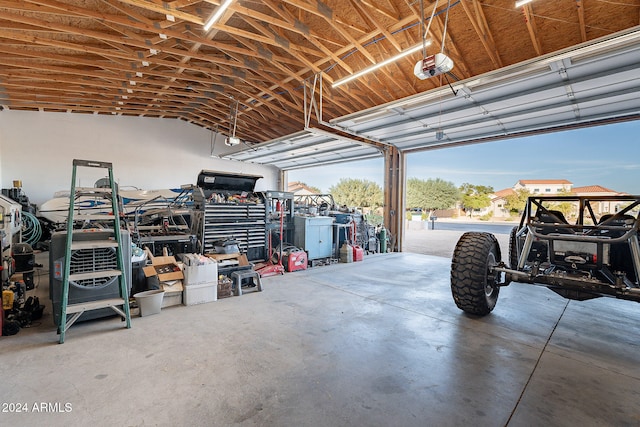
[{"x": 375, "y": 343}]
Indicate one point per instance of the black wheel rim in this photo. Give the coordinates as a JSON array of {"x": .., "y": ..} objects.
[{"x": 492, "y": 278}]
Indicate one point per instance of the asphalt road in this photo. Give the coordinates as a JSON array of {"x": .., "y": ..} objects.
[{"x": 473, "y": 226}]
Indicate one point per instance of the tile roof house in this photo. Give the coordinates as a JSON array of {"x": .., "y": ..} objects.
[
  {"x": 300, "y": 188},
  {"x": 548, "y": 187},
  {"x": 544, "y": 186},
  {"x": 594, "y": 190}
]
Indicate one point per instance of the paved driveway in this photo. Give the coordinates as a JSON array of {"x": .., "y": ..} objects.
[{"x": 442, "y": 242}]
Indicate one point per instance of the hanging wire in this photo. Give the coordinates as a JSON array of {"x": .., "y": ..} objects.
[
  {"x": 439, "y": 131},
  {"x": 446, "y": 21},
  {"x": 233, "y": 118},
  {"x": 424, "y": 33},
  {"x": 214, "y": 137}
]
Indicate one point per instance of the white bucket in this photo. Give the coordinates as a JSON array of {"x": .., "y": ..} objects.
[{"x": 150, "y": 302}]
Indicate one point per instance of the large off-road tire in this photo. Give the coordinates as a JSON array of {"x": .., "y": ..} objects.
[
  {"x": 513, "y": 255},
  {"x": 474, "y": 288},
  {"x": 513, "y": 249}
]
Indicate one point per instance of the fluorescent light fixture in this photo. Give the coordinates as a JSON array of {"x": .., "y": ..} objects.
[
  {"x": 373, "y": 67},
  {"x": 217, "y": 14},
  {"x": 522, "y": 2}
]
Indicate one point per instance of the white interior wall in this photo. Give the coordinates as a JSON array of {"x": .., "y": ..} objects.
[{"x": 149, "y": 153}]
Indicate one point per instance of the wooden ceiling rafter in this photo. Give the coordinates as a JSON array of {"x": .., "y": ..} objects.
[
  {"x": 106, "y": 83},
  {"x": 388, "y": 72},
  {"x": 480, "y": 26},
  {"x": 78, "y": 104},
  {"x": 393, "y": 14},
  {"x": 263, "y": 52},
  {"x": 246, "y": 107},
  {"x": 314, "y": 9},
  {"x": 293, "y": 49},
  {"x": 299, "y": 77},
  {"x": 583, "y": 28},
  {"x": 150, "y": 29},
  {"x": 270, "y": 20},
  {"x": 164, "y": 8},
  {"x": 128, "y": 11},
  {"x": 194, "y": 48},
  {"x": 311, "y": 36},
  {"x": 269, "y": 92},
  {"x": 285, "y": 70},
  {"x": 179, "y": 4},
  {"x": 398, "y": 27},
  {"x": 89, "y": 63},
  {"x": 527, "y": 11},
  {"x": 29, "y": 85},
  {"x": 369, "y": 16},
  {"x": 101, "y": 36},
  {"x": 323, "y": 11}
]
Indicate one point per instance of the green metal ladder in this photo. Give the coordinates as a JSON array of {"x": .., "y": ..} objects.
[{"x": 76, "y": 310}]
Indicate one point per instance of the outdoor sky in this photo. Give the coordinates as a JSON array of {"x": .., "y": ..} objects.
[{"x": 605, "y": 155}]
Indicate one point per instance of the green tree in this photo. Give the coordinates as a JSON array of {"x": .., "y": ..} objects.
[
  {"x": 517, "y": 201},
  {"x": 431, "y": 194},
  {"x": 357, "y": 192},
  {"x": 475, "y": 196},
  {"x": 568, "y": 209}
]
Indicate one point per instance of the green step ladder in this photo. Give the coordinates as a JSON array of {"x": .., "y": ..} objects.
[{"x": 76, "y": 310}]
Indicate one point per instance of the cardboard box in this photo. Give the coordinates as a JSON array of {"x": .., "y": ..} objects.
[
  {"x": 165, "y": 267},
  {"x": 172, "y": 286},
  {"x": 200, "y": 294},
  {"x": 237, "y": 259},
  {"x": 199, "y": 269},
  {"x": 199, "y": 274}
]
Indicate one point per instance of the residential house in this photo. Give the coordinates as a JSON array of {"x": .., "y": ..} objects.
[
  {"x": 598, "y": 190},
  {"x": 551, "y": 187},
  {"x": 544, "y": 186},
  {"x": 300, "y": 189},
  {"x": 498, "y": 202},
  {"x": 534, "y": 186}
]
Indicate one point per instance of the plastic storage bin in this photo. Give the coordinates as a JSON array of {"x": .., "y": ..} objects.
[
  {"x": 200, "y": 294},
  {"x": 150, "y": 302}
]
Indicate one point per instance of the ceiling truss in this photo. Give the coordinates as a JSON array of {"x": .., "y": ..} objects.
[{"x": 152, "y": 57}]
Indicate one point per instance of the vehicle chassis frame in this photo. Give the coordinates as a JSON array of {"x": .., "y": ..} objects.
[{"x": 576, "y": 282}]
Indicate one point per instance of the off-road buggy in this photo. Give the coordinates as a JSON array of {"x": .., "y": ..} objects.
[{"x": 595, "y": 255}]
